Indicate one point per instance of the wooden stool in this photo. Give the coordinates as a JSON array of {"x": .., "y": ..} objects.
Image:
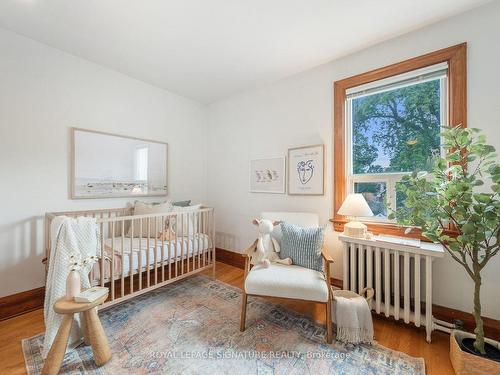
[{"x": 92, "y": 331}]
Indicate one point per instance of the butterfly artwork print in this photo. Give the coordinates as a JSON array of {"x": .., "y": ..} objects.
[{"x": 268, "y": 175}]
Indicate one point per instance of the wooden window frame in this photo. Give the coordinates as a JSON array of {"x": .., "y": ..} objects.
[{"x": 456, "y": 57}]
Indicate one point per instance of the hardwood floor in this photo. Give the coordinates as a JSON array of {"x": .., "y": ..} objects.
[{"x": 388, "y": 333}]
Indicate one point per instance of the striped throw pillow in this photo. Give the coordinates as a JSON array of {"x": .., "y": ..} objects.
[{"x": 303, "y": 245}]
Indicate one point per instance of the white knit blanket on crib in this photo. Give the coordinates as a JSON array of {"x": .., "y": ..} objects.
[
  {"x": 69, "y": 235},
  {"x": 353, "y": 319}
]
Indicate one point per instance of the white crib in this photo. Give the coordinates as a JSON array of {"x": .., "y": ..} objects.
[{"x": 131, "y": 264}]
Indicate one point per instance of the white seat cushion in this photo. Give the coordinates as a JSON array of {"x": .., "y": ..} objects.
[{"x": 287, "y": 282}]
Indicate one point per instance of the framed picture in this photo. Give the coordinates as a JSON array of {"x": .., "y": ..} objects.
[
  {"x": 108, "y": 165},
  {"x": 267, "y": 175},
  {"x": 306, "y": 169}
]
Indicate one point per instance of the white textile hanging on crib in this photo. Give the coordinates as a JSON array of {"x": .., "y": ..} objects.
[{"x": 69, "y": 236}]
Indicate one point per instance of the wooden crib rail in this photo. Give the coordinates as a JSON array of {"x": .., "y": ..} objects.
[{"x": 99, "y": 213}]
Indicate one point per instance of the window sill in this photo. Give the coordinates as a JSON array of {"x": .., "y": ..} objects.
[{"x": 385, "y": 228}]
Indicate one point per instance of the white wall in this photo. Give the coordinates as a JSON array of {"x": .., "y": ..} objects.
[
  {"x": 44, "y": 92},
  {"x": 298, "y": 111}
]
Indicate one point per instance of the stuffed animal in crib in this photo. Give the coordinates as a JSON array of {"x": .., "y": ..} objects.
[{"x": 267, "y": 248}]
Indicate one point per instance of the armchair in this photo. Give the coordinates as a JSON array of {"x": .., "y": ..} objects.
[{"x": 289, "y": 281}]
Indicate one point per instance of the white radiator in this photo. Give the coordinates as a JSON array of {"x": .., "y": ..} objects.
[{"x": 400, "y": 274}]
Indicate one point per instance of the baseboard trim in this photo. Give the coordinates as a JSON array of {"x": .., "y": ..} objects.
[
  {"x": 21, "y": 303},
  {"x": 337, "y": 283},
  {"x": 230, "y": 257},
  {"x": 491, "y": 326}
]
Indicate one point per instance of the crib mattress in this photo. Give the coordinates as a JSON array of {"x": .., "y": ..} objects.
[{"x": 136, "y": 250}]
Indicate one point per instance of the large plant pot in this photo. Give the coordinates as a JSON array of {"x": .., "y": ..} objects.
[{"x": 469, "y": 364}]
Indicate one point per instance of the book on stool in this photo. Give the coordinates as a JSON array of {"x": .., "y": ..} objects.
[{"x": 91, "y": 294}]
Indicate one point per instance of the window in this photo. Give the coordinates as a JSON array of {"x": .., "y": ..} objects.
[
  {"x": 387, "y": 124},
  {"x": 393, "y": 128}
]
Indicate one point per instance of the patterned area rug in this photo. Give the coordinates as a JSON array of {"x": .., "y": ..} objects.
[{"x": 192, "y": 327}]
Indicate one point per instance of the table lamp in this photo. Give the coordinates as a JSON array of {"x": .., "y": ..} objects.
[{"x": 355, "y": 205}]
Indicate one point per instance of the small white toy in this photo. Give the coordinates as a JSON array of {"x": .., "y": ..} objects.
[{"x": 267, "y": 248}]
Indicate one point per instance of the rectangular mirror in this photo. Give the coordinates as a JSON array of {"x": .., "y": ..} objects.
[{"x": 107, "y": 165}]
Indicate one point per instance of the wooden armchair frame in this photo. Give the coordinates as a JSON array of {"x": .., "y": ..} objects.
[{"x": 328, "y": 260}]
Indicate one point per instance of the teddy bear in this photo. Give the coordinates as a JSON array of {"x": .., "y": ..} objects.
[{"x": 267, "y": 248}]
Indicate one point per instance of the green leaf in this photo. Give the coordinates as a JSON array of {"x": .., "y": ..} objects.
[
  {"x": 482, "y": 197},
  {"x": 468, "y": 228}
]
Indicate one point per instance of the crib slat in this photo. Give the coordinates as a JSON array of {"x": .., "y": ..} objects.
[
  {"x": 353, "y": 267},
  {"x": 164, "y": 230},
  {"x": 378, "y": 278},
  {"x": 213, "y": 242},
  {"x": 169, "y": 248},
  {"x": 122, "y": 284},
  {"x": 102, "y": 259},
  {"x": 396, "y": 285},
  {"x": 195, "y": 242},
  {"x": 109, "y": 226},
  {"x": 111, "y": 267},
  {"x": 186, "y": 234},
  {"x": 211, "y": 250},
  {"x": 148, "y": 250},
  {"x": 205, "y": 231},
  {"x": 199, "y": 237},
  {"x": 361, "y": 268},
  {"x": 131, "y": 257},
  {"x": 387, "y": 282},
  {"x": 417, "y": 290},
  {"x": 182, "y": 243},
  {"x": 48, "y": 223},
  {"x": 407, "y": 286},
  {"x": 156, "y": 250},
  {"x": 139, "y": 254},
  {"x": 177, "y": 228},
  {"x": 189, "y": 244},
  {"x": 212, "y": 226},
  {"x": 201, "y": 234}
]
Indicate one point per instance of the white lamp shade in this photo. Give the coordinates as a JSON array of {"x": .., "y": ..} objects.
[{"x": 355, "y": 205}]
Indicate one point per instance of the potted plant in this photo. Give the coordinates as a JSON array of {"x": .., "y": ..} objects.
[{"x": 457, "y": 204}]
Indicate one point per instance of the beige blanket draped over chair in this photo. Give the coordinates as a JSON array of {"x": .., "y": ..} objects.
[{"x": 289, "y": 281}]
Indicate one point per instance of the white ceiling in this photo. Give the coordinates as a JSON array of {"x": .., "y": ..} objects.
[{"x": 210, "y": 49}]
